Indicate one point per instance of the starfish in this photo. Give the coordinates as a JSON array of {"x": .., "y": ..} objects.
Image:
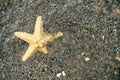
[{"x": 38, "y": 40}]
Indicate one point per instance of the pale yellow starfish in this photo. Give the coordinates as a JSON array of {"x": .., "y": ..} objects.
[{"x": 38, "y": 40}]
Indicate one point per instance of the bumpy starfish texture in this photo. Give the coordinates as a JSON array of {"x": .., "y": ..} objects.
[{"x": 38, "y": 40}]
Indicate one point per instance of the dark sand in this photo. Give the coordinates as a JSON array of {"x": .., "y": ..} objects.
[{"x": 90, "y": 30}]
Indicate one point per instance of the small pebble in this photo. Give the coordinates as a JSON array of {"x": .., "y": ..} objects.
[
  {"x": 117, "y": 58},
  {"x": 118, "y": 11},
  {"x": 58, "y": 74},
  {"x": 87, "y": 59},
  {"x": 103, "y": 37},
  {"x": 63, "y": 73}
]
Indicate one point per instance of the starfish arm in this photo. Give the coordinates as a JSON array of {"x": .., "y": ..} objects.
[
  {"x": 44, "y": 50},
  {"x": 51, "y": 37},
  {"x": 38, "y": 26},
  {"x": 59, "y": 34},
  {"x": 31, "y": 50},
  {"x": 56, "y": 35},
  {"x": 25, "y": 36}
]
